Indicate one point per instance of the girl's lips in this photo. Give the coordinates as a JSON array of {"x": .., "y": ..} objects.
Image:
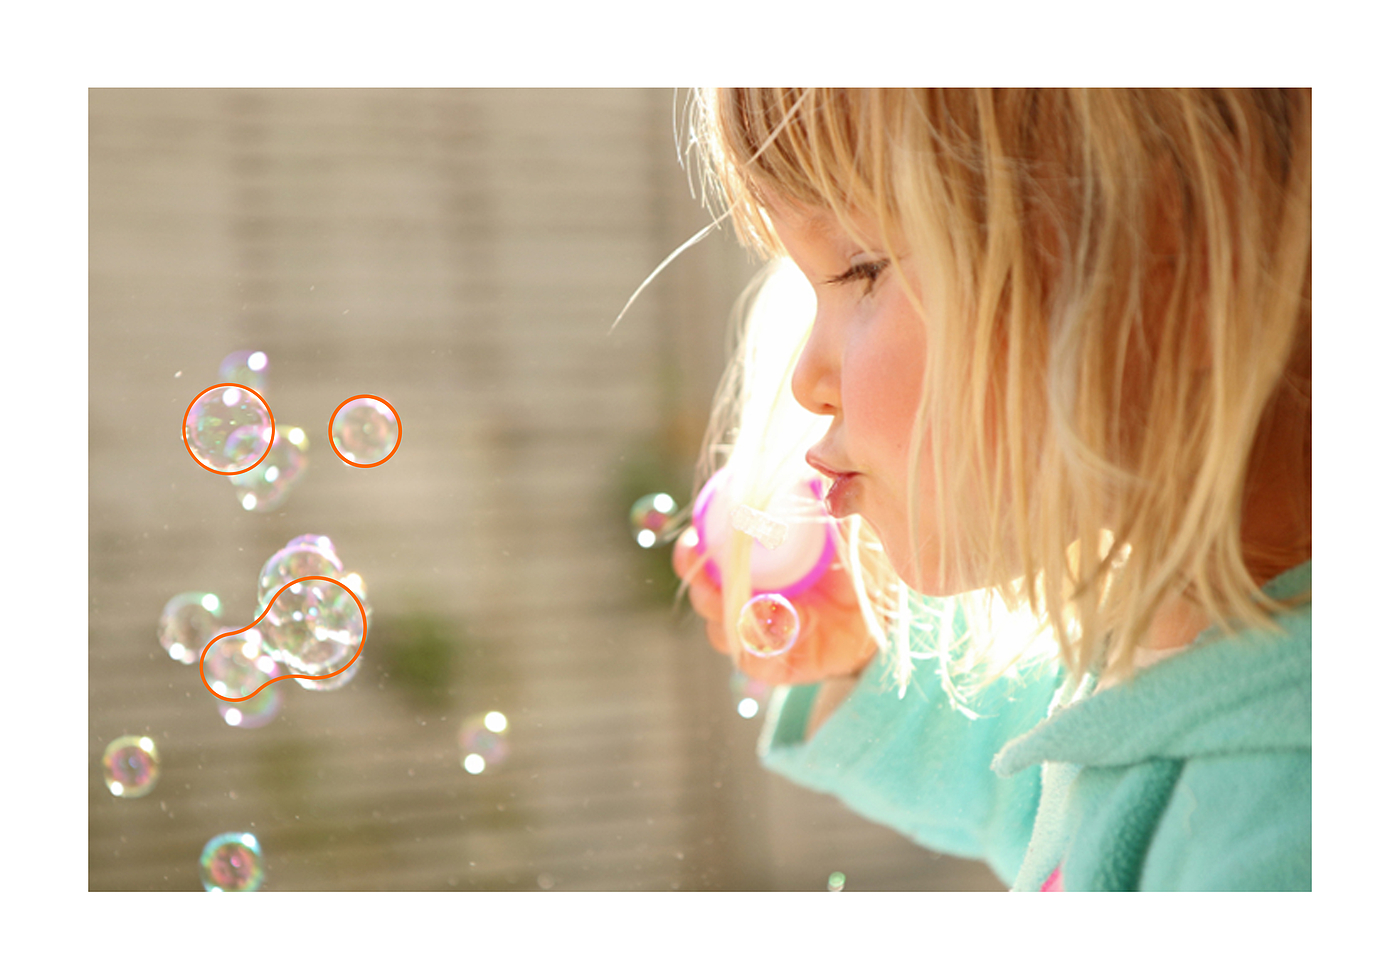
[{"x": 840, "y": 497}]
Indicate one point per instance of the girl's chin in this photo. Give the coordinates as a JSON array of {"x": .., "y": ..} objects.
[
  {"x": 923, "y": 578},
  {"x": 920, "y": 574}
]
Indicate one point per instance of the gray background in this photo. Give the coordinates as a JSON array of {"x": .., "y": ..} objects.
[{"x": 462, "y": 254}]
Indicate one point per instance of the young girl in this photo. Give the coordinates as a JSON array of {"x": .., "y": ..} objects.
[{"x": 1061, "y": 355}]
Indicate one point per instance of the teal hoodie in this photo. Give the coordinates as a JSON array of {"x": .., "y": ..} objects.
[{"x": 1196, "y": 774}]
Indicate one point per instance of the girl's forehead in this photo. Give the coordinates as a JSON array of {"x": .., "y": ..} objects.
[{"x": 820, "y": 223}]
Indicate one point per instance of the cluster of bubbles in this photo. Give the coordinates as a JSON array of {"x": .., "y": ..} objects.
[
  {"x": 483, "y": 741},
  {"x": 650, "y": 517},
  {"x": 310, "y": 627},
  {"x": 131, "y": 766},
  {"x": 232, "y": 862},
  {"x": 768, "y": 625},
  {"x": 365, "y": 431},
  {"x": 314, "y": 628}
]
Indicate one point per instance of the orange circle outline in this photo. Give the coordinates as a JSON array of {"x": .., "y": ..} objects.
[
  {"x": 185, "y": 435},
  {"x": 364, "y": 618},
  {"x": 330, "y": 431}
]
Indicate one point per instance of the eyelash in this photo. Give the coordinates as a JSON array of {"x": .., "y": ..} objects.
[{"x": 869, "y": 271}]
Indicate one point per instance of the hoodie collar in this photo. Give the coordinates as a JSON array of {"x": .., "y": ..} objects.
[{"x": 1247, "y": 692}]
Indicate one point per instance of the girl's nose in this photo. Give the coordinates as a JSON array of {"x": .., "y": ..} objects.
[{"x": 816, "y": 380}]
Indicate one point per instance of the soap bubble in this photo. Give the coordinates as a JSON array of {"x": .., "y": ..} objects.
[
  {"x": 836, "y": 881},
  {"x": 365, "y": 431},
  {"x": 245, "y": 367},
  {"x": 749, "y": 695},
  {"x": 265, "y": 486},
  {"x": 187, "y": 623},
  {"x": 237, "y": 665},
  {"x": 315, "y": 628},
  {"x": 232, "y": 862},
  {"x": 650, "y": 516},
  {"x": 483, "y": 741},
  {"x": 768, "y": 625},
  {"x": 228, "y": 429},
  {"x": 131, "y": 766},
  {"x": 304, "y": 555}
]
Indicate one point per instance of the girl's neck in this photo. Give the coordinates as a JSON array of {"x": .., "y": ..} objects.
[{"x": 1172, "y": 630}]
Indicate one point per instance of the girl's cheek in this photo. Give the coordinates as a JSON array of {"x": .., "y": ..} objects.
[{"x": 890, "y": 386}]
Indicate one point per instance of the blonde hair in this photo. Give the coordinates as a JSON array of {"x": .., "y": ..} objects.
[{"x": 1129, "y": 273}]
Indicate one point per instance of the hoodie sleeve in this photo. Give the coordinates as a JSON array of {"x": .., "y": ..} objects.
[{"x": 918, "y": 764}]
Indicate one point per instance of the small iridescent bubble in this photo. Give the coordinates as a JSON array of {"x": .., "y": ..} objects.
[
  {"x": 483, "y": 741},
  {"x": 836, "y": 881},
  {"x": 265, "y": 487},
  {"x": 230, "y": 665},
  {"x": 365, "y": 431},
  {"x": 131, "y": 766},
  {"x": 768, "y": 625},
  {"x": 315, "y": 628},
  {"x": 232, "y": 862},
  {"x": 228, "y": 429},
  {"x": 305, "y": 555},
  {"x": 188, "y": 621},
  {"x": 650, "y": 516},
  {"x": 245, "y": 367},
  {"x": 235, "y": 666}
]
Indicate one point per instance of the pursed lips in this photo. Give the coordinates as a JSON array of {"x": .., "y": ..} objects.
[{"x": 840, "y": 501}]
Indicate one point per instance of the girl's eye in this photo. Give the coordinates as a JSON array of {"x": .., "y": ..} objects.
[{"x": 869, "y": 271}]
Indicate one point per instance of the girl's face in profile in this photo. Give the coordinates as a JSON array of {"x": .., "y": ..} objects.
[{"x": 863, "y": 366}]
